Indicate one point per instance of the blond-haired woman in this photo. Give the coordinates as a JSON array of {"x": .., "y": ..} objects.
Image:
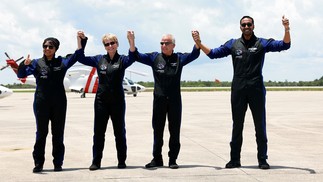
[{"x": 109, "y": 100}]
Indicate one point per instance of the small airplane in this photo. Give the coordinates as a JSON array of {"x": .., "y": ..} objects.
[
  {"x": 82, "y": 79},
  {"x": 4, "y": 92},
  {"x": 4, "y": 67}
]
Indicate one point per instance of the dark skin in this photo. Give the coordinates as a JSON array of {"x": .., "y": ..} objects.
[{"x": 247, "y": 32}]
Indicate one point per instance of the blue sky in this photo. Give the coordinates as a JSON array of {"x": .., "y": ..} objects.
[{"x": 24, "y": 26}]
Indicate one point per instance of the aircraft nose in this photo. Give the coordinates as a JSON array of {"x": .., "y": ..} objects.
[
  {"x": 140, "y": 88},
  {"x": 5, "y": 93}
]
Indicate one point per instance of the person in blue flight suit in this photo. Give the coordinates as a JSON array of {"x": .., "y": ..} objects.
[
  {"x": 167, "y": 68},
  {"x": 110, "y": 98},
  {"x": 248, "y": 54},
  {"x": 50, "y": 99}
]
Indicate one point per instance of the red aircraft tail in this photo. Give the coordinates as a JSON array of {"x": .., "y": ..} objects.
[
  {"x": 13, "y": 64},
  {"x": 87, "y": 85}
]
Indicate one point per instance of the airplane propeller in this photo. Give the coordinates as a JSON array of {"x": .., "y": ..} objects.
[{"x": 4, "y": 67}]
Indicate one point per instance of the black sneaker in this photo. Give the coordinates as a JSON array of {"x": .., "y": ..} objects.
[
  {"x": 58, "y": 168},
  {"x": 233, "y": 164},
  {"x": 38, "y": 168},
  {"x": 263, "y": 164},
  {"x": 155, "y": 163},
  {"x": 173, "y": 165},
  {"x": 94, "y": 167},
  {"x": 122, "y": 165}
]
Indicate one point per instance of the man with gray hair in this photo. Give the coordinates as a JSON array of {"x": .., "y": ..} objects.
[{"x": 167, "y": 69}]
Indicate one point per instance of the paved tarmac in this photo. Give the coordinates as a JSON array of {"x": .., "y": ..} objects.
[{"x": 294, "y": 129}]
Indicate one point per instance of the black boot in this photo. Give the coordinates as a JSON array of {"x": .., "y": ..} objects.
[
  {"x": 263, "y": 164},
  {"x": 38, "y": 168},
  {"x": 155, "y": 163}
]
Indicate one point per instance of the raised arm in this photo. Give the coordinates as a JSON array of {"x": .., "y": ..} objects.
[
  {"x": 25, "y": 68},
  {"x": 285, "y": 23},
  {"x": 81, "y": 40},
  {"x": 198, "y": 42},
  {"x": 131, "y": 39}
]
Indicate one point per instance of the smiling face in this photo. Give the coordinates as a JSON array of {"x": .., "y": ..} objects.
[
  {"x": 167, "y": 44},
  {"x": 110, "y": 46},
  {"x": 246, "y": 27},
  {"x": 110, "y": 43},
  {"x": 49, "y": 49}
]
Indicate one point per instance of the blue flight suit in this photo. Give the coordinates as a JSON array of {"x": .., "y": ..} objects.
[
  {"x": 109, "y": 102},
  {"x": 167, "y": 72},
  {"x": 248, "y": 87},
  {"x": 50, "y": 102}
]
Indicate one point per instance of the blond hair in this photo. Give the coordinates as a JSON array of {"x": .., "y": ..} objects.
[{"x": 111, "y": 37}]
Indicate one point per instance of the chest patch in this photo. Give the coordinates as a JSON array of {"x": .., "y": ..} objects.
[
  {"x": 57, "y": 68},
  {"x": 103, "y": 66},
  {"x": 238, "y": 52},
  {"x": 44, "y": 73},
  {"x": 253, "y": 49},
  {"x": 173, "y": 64},
  {"x": 115, "y": 66},
  {"x": 161, "y": 64}
]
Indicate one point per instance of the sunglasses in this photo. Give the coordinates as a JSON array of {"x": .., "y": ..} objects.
[
  {"x": 166, "y": 43},
  {"x": 108, "y": 44},
  {"x": 245, "y": 24},
  {"x": 48, "y": 46}
]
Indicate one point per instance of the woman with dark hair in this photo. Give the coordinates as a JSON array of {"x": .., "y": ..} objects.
[{"x": 50, "y": 98}]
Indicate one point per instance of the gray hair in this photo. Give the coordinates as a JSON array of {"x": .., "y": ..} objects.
[{"x": 170, "y": 36}]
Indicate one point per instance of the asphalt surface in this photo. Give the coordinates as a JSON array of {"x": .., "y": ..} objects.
[{"x": 294, "y": 129}]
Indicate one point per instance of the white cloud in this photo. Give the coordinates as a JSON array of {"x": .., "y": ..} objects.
[{"x": 24, "y": 26}]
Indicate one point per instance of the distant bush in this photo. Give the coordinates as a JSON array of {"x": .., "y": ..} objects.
[
  {"x": 19, "y": 85},
  {"x": 216, "y": 83}
]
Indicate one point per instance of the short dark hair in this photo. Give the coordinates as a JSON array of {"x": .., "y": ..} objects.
[
  {"x": 52, "y": 41},
  {"x": 247, "y": 17}
]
